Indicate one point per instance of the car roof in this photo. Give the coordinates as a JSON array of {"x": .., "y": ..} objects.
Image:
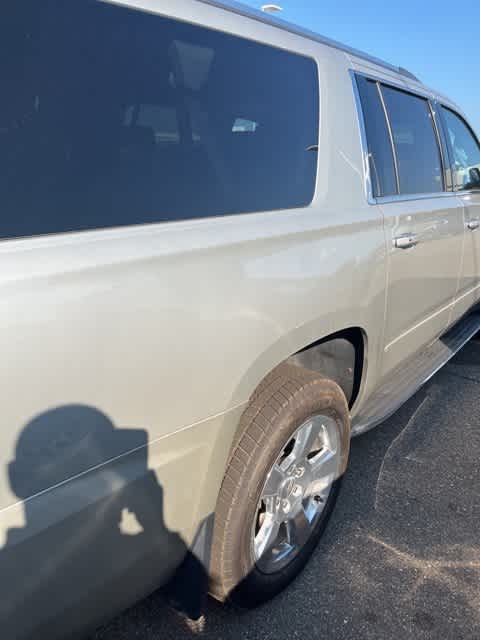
[{"x": 262, "y": 16}]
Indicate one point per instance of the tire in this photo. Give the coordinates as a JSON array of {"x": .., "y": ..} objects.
[{"x": 273, "y": 423}]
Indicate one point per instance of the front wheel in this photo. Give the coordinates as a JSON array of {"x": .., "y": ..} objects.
[{"x": 280, "y": 486}]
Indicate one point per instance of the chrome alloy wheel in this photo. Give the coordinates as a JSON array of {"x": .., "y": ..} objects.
[{"x": 295, "y": 493}]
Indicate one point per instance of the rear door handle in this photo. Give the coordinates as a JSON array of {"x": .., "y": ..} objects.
[
  {"x": 405, "y": 241},
  {"x": 473, "y": 224}
]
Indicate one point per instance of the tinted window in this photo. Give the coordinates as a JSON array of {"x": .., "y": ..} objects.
[
  {"x": 465, "y": 152},
  {"x": 382, "y": 167},
  {"x": 418, "y": 155},
  {"x": 114, "y": 117}
]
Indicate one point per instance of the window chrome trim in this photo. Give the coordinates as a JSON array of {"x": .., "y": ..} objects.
[
  {"x": 444, "y": 146},
  {"x": 443, "y": 163},
  {"x": 416, "y": 196},
  {"x": 368, "y": 187},
  {"x": 426, "y": 95},
  {"x": 396, "y": 83},
  {"x": 390, "y": 135}
]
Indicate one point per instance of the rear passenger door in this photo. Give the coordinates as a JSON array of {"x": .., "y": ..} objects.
[
  {"x": 464, "y": 155},
  {"x": 423, "y": 220}
]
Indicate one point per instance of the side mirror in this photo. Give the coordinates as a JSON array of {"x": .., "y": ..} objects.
[{"x": 474, "y": 178}]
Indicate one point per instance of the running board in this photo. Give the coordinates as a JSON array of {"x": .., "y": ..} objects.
[{"x": 403, "y": 383}]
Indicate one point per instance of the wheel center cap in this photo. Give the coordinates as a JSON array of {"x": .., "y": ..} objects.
[{"x": 290, "y": 498}]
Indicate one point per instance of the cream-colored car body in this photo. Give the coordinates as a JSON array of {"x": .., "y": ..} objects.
[{"x": 164, "y": 331}]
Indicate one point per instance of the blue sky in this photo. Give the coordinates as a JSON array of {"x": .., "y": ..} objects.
[{"x": 435, "y": 40}]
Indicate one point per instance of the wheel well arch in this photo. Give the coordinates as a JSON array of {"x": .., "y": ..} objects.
[{"x": 339, "y": 356}]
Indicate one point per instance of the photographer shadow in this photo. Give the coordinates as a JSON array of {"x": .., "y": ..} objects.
[{"x": 94, "y": 539}]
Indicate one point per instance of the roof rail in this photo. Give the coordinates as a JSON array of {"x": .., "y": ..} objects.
[
  {"x": 408, "y": 74},
  {"x": 268, "y": 18}
]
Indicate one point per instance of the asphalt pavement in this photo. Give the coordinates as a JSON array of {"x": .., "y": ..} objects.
[{"x": 401, "y": 555}]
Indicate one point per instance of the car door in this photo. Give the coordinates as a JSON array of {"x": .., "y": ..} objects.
[
  {"x": 423, "y": 221},
  {"x": 464, "y": 153}
]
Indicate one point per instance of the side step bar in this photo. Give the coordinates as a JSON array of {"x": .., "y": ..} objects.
[{"x": 401, "y": 385}]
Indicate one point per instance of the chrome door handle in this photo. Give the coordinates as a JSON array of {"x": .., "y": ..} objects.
[
  {"x": 473, "y": 224},
  {"x": 406, "y": 241}
]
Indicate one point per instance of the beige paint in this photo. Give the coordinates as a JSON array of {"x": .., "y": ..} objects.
[
  {"x": 422, "y": 281},
  {"x": 468, "y": 292},
  {"x": 167, "y": 330}
]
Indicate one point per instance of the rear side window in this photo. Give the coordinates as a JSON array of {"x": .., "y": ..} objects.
[
  {"x": 418, "y": 155},
  {"x": 114, "y": 117},
  {"x": 382, "y": 166},
  {"x": 465, "y": 152}
]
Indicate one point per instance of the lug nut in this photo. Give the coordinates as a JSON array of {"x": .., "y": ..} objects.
[{"x": 286, "y": 506}]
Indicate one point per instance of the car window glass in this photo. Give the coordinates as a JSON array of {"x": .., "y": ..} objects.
[
  {"x": 465, "y": 151},
  {"x": 111, "y": 116},
  {"x": 418, "y": 155},
  {"x": 382, "y": 167}
]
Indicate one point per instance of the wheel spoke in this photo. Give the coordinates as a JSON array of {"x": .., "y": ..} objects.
[
  {"x": 275, "y": 479},
  {"x": 266, "y": 536},
  {"x": 298, "y": 529},
  {"x": 305, "y": 439},
  {"x": 323, "y": 472},
  {"x": 324, "y": 465}
]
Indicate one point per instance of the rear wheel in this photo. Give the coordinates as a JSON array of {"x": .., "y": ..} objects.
[{"x": 280, "y": 486}]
